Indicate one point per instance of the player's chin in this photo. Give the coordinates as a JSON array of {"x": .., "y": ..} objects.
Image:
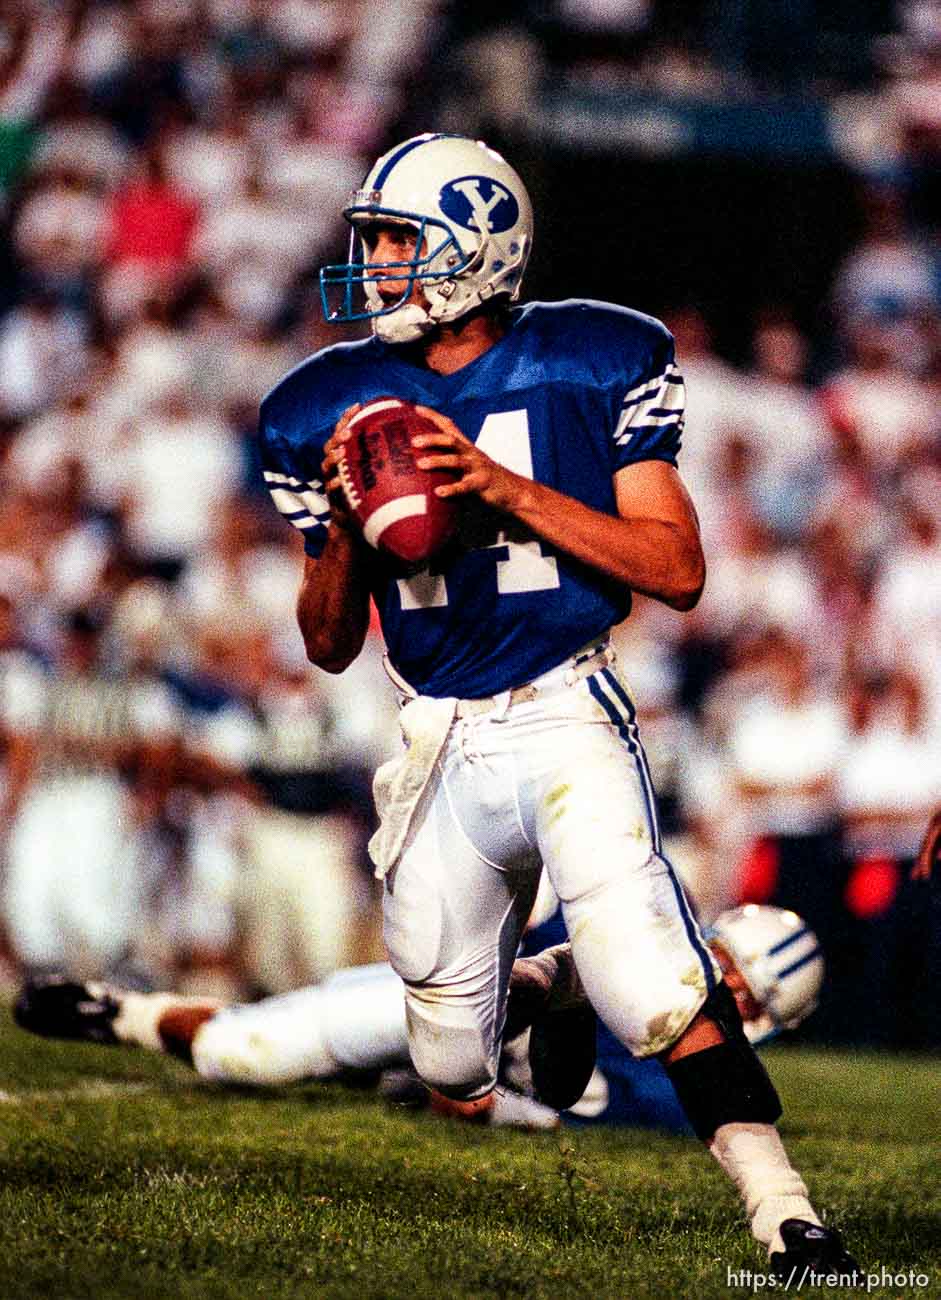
[{"x": 398, "y": 298}]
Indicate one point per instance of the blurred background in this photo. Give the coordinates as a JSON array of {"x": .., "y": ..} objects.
[{"x": 184, "y": 801}]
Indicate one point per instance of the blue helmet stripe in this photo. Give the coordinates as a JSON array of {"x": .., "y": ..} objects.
[
  {"x": 399, "y": 155},
  {"x": 801, "y": 961},
  {"x": 786, "y": 943}
]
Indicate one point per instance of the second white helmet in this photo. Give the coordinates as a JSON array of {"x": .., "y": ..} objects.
[
  {"x": 779, "y": 958},
  {"x": 474, "y": 227}
]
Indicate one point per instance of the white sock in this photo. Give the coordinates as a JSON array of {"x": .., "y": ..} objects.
[
  {"x": 754, "y": 1158},
  {"x": 141, "y": 1013}
]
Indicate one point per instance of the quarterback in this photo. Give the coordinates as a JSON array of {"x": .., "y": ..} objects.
[{"x": 560, "y": 424}]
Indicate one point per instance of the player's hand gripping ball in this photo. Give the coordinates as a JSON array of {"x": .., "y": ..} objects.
[{"x": 391, "y": 499}]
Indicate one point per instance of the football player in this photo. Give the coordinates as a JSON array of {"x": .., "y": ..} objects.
[
  {"x": 561, "y": 424},
  {"x": 355, "y": 1021}
]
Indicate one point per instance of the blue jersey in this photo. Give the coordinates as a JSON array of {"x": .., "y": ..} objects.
[
  {"x": 572, "y": 393},
  {"x": 624, "y": 1089}
]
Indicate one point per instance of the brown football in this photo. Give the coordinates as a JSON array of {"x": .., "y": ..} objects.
[{"x": 391, "y": 499}]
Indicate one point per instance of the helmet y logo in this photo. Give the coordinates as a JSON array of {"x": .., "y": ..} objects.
[{"x": 468, "y": 197}]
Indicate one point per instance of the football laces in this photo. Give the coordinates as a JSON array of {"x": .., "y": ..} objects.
[{"x": 353, "y": 498}]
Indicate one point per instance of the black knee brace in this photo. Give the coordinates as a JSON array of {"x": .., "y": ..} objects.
[
  {"x": 726, "y": 1084},
  {"x": 721, "y": 1008}
]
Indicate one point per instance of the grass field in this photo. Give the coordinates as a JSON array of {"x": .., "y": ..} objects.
[{"x": 124, "y": 1176}]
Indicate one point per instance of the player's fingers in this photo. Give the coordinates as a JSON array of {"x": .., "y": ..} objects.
[
  {"x": 444, "y": 460},
  {"x": 462, "y": 486},
  {"x": 444, "y": 438},
  {"x": 341, "y": 432},
  {"x": 334, "y": 450},
  {"x": 445, "y": 424}
]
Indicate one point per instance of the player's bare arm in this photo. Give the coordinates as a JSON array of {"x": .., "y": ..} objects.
[
  {"x": 333, "y": 602},
  {"x": 930, "y": 850},
  {"x": 652, "y": 545}
]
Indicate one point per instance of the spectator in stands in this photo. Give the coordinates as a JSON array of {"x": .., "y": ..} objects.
[
  {"x": 60, "y": 231},
  {"x": 151, "y": 227},
  {"x": 889, "y": 785},
  {"x": 907, "y": 595},
  {"x": 254, "y": 245},
  {"x": 786, "y": 746},
  {"x": 891, "y": 776},
  {"x": 712, "y": 420},
  {"x": 33, "y": 53},
  {"x": 305, "y": 901},
  {"x": 788, "y": 471},
  {"x": 878, "y": 400},
  {"x": 889, "y": 270},
  {"x": 179, "y": 462},
  {"x": 74, "y": 889},
  {"x": 43, "y": 349}
]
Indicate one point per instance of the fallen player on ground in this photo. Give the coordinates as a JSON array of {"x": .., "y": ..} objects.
[{"x": 355, "y": 1022}]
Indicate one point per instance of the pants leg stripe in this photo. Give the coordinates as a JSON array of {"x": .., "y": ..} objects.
[
  {"x": 616, "y": 709},
  {"x": 623, "y": 704}
]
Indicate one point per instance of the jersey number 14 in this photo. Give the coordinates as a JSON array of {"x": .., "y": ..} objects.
[{"x": 504, "y": 437}]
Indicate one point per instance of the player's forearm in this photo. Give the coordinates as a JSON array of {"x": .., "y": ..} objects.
[
  {"x": 930, "y": 849},
  {"x": 655, "y": 557},
  {"x": 333, "y": 603}
]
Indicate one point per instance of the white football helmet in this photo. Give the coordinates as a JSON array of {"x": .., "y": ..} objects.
[
  {"x": 779, "y": 958},
  {"x": 474, "y": 228}
]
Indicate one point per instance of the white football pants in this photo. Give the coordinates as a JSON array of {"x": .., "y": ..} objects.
[
  {"x": 354, "y": 1020},
  {"x": 561, "y": 781}
]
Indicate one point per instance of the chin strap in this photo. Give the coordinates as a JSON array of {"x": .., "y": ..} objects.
[
  {"x": 445, "y": 302},
  {"x": 404, "y": 325}
]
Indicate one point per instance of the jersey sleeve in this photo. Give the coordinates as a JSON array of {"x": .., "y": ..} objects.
[
  {"x": 650, "y": 423},
  {"x": 297, "y": 493}
]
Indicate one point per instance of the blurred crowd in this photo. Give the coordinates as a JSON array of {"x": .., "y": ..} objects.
[
  {"x": 180, "y": 792},
  {"x": 718, "y": 50}
]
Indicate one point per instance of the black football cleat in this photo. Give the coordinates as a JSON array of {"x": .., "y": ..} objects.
[
  {"x": 56, "y": 1007},
  {"x": 813, "y": 1254},
  {"x": 547, "y": 994}
]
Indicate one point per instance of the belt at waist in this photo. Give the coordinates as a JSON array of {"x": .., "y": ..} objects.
[{"x": 564, "y": 675}]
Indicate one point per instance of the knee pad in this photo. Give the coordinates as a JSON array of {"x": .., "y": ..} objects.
[
  {"x": 448, "y": 1050},
  {"x": 726, "y": 1084}
]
